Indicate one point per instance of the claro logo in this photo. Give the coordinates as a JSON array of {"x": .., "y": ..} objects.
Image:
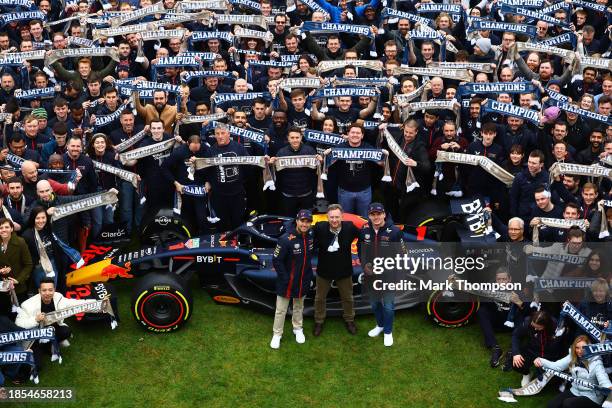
[{"x": 115, "y": 234}]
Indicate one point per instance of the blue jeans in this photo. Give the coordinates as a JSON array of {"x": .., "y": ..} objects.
[
  {"x": 38, "y": 273},
  {"x": 355, "y": 202},
  {"x": 100, "y": 216},
  {"x": 384, "y": 312},
  {"x": 130, "y": 209}
]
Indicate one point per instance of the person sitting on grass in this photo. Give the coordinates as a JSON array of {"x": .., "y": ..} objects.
[{"x": 586, "y": 369}]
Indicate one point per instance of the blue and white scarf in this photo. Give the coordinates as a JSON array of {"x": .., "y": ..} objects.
[
  {"x": 337, "y": 92},
  {"x": 598, "y": 349},
  {"x": 325, "y": 138},
  {"x": 483, "y": 25},
  {"x": 392, "y": 13},
  {"x": 585, "y": 113},
  {"x": 256, "y": 137},
  {"x": 7, "y": 18},
  {"x": 533, "y": 14},
  {"x": 434, "y": 8},
  {"x": 496, "y": 88},
  {"x": 581, "y": 321},
  {"x": 187, "y": 76},
  {"x": 35, "y": 93},
  {"x": 564, "y": 38},
  {"x": 356, "y": 154},
  {"x": 210, "y": 35},
  {"x": 511, "y": 110},
  {"x": 337, "y": 27}
]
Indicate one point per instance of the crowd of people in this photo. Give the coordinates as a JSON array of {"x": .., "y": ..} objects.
[{"x": 199, "y": 105}]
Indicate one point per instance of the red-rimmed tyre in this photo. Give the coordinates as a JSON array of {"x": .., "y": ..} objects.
[
  {"x": 161, "y": 302},
  {"x": 452, "y": 309}
]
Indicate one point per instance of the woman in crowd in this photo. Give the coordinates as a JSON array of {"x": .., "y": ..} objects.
[
  {"x": 587, "y": 369},
  {"x": 42, "y": 246},
  {"x": 15, "y": 264}
]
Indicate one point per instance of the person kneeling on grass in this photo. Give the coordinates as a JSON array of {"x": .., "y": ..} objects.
[
  {"x": 292, "y": 262},
  {"x": 588, "y": 369},
  {"x": 379, "y": 238},
  {"x": 33, "y": 311}
]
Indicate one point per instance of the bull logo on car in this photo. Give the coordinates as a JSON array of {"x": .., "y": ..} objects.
[{"x": 115, "y": 271}]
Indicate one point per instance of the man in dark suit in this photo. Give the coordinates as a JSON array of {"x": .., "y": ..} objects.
[{"x": 333, "y": 240}]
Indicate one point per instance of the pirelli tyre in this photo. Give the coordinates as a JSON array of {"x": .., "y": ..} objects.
[
  {"x": 452, "y": 309},
  {"x": 161, "y": 302}
]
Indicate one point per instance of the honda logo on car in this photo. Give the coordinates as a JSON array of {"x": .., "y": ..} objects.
[{"x": 208, "y": 259}]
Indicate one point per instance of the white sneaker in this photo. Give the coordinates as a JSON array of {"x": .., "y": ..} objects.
[
  {"x": 525, "y": 380},
  {"x": 375, "y": 331},
  {"x": 275, "y": 343},
  {"x": 65, "y": 343},
  {"x": 299, "y": 336},
  {"x": 388, "y": 340}
]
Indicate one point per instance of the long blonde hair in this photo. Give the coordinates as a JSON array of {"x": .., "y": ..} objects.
[{"x": 574, "y": 359}]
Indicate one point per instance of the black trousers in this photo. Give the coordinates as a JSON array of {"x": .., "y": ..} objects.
[
  {"x": 568, "y": 400},
  {"x": 490, "y": 319},
  {"x": 291, "y": 205},
  {"x": 230, "y": 209},
  {"x": 61, "y": 333},
  {"x": 193, "y": 211}
]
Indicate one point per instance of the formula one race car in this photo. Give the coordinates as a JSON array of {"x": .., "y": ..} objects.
[{"x": 235, "y": 268}]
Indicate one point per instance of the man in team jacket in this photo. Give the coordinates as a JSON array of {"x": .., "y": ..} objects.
[{"x": 292, "y": 262}]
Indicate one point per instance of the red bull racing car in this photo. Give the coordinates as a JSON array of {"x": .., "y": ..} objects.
[{"x": 235, "y": 268}]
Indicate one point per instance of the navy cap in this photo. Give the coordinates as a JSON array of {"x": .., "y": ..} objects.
[
  {"x": 304, "y": 214},
  {"x": 376, "y": 207}
]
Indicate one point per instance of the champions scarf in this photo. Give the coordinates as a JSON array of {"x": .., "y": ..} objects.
[
  {"x": 209, "y": 35},
  {"x": 45, "y": 262},
  {"x": 301, "y": 161},
  {"x": 311, "y": 4},
  {"x": 533, "y": 388},
  {"x": 337, "y": 27},
  {"x": 131, "y": 141},
  {"x": 552, "y": 254},
  {"x": 163, "y": 35},
  {"x": 98, "y": 33},
  {"x": 523, "y": 3},
  {"x": 325, "y": 138},
  {"x": 496, "y": 88},
  {"x": 395, "y": 14},
  {"x": 484, "y": 25},
  {"x": 599, "y": 63},
  {"x": 403, "y": 99},
  {"x": 290, "y": 83},
  {"x": 337, "y": 92},
  {"x": 187, "y": 76},
  {"x": 357, "y": 154},
  {"x": 411, "y": 182},
  {"x": 325, "y": 66},
  {"x": 158, "y": 86},
  {"x": 541, "y": 284},
  {"x": 474, "y": 66},
  {"x": 18, "y": 58},
  {"x": 123, "y": 18},
  {"x": 7, "y": 18},
  {"x": 556, "y": 96},
  {"x": 86, "y": 306},
  {"x": 56, "y": 55},
  {"x": 103, "y": 120},
  {"x": 242, "y": 19},
  {"x": 81, "y": 42},
  {"x": 255, "y": 137},
  {"x": 448, "y": 104},
  {"x": 202, "y": 17},
  {"x": 598, "y": 349},
  {"x": 568, "y": 55},
  {"x": 462, "y": 75},
  {"x": 259, "y": 161},
  {"x": 188, "y": 5},
  {"x": 146, "y": 151},
  {"x": 20, "y": 357},
  {"x": 533, "y": 14},
  {"x": 202, "y": 118},
  {"x": 42, "y": 334},
  {"x": 564, "y": 38},
  {"x": 583, "y": 383},
  {"x": 603, "y": 228},
  {"x": 35, "y": 93},
  {"x": 194, "y": 191},
  {"x": 85, "y": 204},
  {"x": 14, "y": 3},
  {"x": 587, "y": 4},
  {"x": 222, "y": 99},
  {"x": 512, "y": 110},
  {"x": 265, "y": 36},
  {"x": 121, "y": 173},
  {"x": 585, "y": 113},
  {"x": 249, "y": 4},
  {"x": 595, "y": 170},
  {"x": 433, "y": 8},
  {"x": 581, "y": 320},
  {"x": 557, "y": 223},
  {"x": 484, "y": 162},
  {"x": 376, "y": 82},
  {"x": 177, "y": 61}
]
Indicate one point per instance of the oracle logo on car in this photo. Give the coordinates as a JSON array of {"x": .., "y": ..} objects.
[{"x": 226, "y": 299}]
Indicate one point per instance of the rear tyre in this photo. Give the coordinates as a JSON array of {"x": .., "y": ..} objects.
[
  {"x": 451, "y": 314},
  {"x": 161, "y": 302}
]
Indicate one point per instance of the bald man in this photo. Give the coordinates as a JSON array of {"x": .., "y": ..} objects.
[{"x": 30, "y": 176}]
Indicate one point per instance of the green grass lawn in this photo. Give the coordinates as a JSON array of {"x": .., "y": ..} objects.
[{"x": 222, "y": 358}]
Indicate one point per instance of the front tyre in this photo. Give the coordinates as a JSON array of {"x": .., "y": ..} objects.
[
  {"x": 161, "y": 302},
  {"x": 445, "y": 312}
]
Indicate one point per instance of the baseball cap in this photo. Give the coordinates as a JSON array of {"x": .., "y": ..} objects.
[
  {"x": 304, "y": 214},
  {"x": 376, "y": 207}
]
